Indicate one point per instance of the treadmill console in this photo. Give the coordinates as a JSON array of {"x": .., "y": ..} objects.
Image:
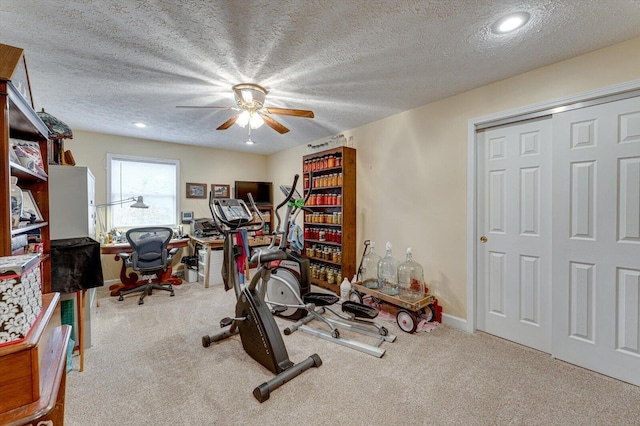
[{"x": 232, "y": 210}]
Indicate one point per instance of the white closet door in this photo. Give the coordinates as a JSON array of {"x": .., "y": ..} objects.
[
  {"x": 596, "y": 238},
  {"x": 514, "y": 208}
]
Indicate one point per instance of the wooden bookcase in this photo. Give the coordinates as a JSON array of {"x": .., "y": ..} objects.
[
  {"x": 20, "y": 121},
  {"x": 334, "y": 207},
  {"x": 32, "y": 372}
]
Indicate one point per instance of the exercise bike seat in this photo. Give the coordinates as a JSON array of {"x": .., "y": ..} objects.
[
  {"x": 266, "y": 255},
  {"x": 320, "y": 299},
  {"x": 359, "y": 310}
]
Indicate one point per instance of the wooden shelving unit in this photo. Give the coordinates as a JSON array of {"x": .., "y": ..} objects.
[
  {"x": 20, "y": 121},
  {"x": 326, "y": 188},
  {"x": 266, "y": 210},
  {"x": 32, "y": 371}
]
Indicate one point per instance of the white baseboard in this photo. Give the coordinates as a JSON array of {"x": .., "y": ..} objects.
[{"x": 456, "y": 322}]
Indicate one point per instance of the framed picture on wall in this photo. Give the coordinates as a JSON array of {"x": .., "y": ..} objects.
[
  {"x": 196, "y": 190},
  {"x": 220, "y": 191}
]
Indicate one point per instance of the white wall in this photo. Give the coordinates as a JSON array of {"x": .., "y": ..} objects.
[{"x": 412, "y": 167}]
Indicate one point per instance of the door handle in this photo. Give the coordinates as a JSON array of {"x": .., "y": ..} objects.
[{"x": 483, "y": 239}]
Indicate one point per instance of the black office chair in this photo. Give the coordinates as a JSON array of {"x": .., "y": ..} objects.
[{"x": 150, "y": 255}]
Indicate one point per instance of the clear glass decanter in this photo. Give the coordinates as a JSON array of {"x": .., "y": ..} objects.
[
  {"x": 370, "y": 268},
  {"x": 388, "y": 273},
  {"x": 411, "y": 279}
]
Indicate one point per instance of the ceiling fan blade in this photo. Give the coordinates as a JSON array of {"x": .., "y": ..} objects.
[
  {"x": 228, "y": 123},
  {"x": 209, "y": 107},
  {"x": 292, "y": 112},
  {"x": 274, "y": 124}
]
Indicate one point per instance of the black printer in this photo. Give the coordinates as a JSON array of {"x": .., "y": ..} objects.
[{"x": 203, "y": 228}]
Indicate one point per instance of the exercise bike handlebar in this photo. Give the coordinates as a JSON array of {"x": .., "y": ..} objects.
[
  {"x": 293, "y": 208},
  {"x": 287, "y": 198},
  {"x": 306, "y": 198},
  {"x": 217, "y": 217},
  {"x": 290, "y": 194}
]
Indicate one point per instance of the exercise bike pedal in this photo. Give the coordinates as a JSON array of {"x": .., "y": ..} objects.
[
  {"x": 225, "y": 322},
  {"x": 320, "y": 299},
  {"x": 278, "y": 309},
  {"x": 359, "y": 310}
]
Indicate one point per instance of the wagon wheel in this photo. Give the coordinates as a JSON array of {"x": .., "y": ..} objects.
[
  {"x": 355, "y": 297},
  {"x": 407, "y": 321},
  {"x": 429, "y": 313}
]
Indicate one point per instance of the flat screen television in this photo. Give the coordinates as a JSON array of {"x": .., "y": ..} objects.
[{"x": 260, "y": 191}]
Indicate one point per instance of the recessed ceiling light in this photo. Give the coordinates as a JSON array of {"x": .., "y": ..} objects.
[
  {"x": 249, "y": 142},
  {"x": 510, "y": 22},
  {"x": 140, "y": 125}
]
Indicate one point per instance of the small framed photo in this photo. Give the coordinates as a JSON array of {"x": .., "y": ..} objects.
[
  {"x": 29, "y": 206},
  {"x": 196, "y": 190},
  {"x": 220, "y": 191}
]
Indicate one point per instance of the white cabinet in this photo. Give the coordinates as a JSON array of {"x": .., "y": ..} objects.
[
  {"x": 72, "y": 204},
  {"x": 210, "y": 266},
  {"x": 72, "y": 214}
]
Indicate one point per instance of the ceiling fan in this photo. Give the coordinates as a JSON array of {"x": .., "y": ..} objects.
[{"x": 250, "y": 104}]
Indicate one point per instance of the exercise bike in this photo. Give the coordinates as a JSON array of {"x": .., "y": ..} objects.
[
  {"x": 288, "y": 291},
  {"x": 253, "y": 320}
]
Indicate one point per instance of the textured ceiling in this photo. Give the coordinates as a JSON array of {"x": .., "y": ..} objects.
[{"x": 100, "y": 65}]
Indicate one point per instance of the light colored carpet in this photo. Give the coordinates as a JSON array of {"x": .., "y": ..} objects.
[{"x": 147, "y": 366}]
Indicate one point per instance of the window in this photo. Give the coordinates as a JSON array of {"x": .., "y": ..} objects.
[{"x": 155, "y": 179}]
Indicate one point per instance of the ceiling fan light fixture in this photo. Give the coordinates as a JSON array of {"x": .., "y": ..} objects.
[
  {"x": 256, "y": 121},
  {"x": 243, "y": 119},
  {"x": 250, "y": 96}
]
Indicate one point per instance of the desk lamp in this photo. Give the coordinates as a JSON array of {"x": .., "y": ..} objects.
[{"x": 138, "y": 203}]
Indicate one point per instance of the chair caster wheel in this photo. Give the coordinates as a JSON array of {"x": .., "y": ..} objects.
[
  {"x": 172, "y": 294},
  {"x": 121, "y": 298},
  {"x": 335, "y": 334},
  {"x": 140, "y": 302},
  {"x": 384, "y": 331},
  {"x": 206, "y": 341}
]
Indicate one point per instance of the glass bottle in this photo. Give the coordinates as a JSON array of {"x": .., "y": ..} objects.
[
  {"x": 370, "y": 268},
  {"x": 388, "y": 273},
  {"x": 411, "y": 279},
  {"x": 16, "y": 202}
]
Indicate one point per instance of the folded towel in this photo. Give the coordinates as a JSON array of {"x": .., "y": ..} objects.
[{"x": 296, "y": 238}]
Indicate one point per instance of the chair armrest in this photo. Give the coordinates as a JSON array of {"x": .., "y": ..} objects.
[
  {"x": 126, "y": 258},
  {"x": 171, "y": 253}
]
